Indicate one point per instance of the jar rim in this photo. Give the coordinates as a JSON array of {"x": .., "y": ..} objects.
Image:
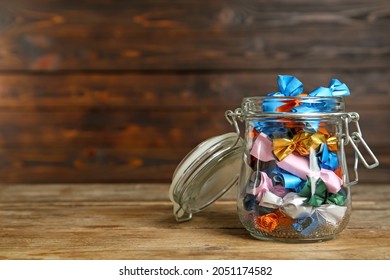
[
  {"x": 317, "y": 105},
  {"x": 252, "y": 98}
]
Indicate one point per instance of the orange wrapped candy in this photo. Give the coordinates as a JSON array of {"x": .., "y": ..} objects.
[{"x": 269, "y": 222}]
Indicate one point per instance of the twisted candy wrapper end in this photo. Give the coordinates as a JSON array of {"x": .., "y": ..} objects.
[
  {"x": 336, "y": 88},
  {"x": 291, "y": 204},
  {"x": 262, "y": 148},
  {"x": 288, "y": 86},
  {"x": 301, "y": 142}
]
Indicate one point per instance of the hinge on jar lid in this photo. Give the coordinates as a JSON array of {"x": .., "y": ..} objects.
[
  {"x": 232, "y": 119},
  {"x": 355, "y": 138}
]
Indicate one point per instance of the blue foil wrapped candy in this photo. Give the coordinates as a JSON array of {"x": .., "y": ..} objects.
[
  {"x": 288, "y": 86},
  {"x": 335, "y": 88},
  {"x": 291, "y": 86},
  {"x": 327, "y": 159}
]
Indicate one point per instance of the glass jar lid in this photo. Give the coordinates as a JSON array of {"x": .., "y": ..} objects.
[{"x": 205, "y": 174}]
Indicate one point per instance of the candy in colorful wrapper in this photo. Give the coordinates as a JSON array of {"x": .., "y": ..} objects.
[
  {"x": 277, "y": 130},
  {"x": 319, "y": 193},
  {"x": 337, "y": 198},
  {"x": 335, "y": 88},
  {"x": 332, "y": 143},
  {"x": 262, "y": 149},
  {"x": 258, "y": 180},
  {"x": 288, "y": 86},
  {"x": 267, "y": 222},
  {"x": 299, "y": 166},
  {"x": 313, "y": 206},
  {"x": 271, "y": 221},
  {"x": 301, "y": 142},
  {"x": 291, "y": 204},
  {"x": 315, "y": 189},
  {"x": 291, "y": 86},
  {"x": 250, "y": 202},
  {"x": 305, "y": 225},
  {"x": 286, "y": 179},
  {"x": 294, "y": 206},
  {"x": 327, "y": 159},
  {"x": 265, "y": 184}
]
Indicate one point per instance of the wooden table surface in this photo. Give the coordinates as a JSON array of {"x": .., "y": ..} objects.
[{"x": 135, "y": 221}]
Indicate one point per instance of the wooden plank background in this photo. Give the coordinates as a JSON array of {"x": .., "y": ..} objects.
[{"x": 119, "y": 91}]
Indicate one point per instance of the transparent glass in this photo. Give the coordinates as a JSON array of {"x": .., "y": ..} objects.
[{"x": 293, "y": 178}]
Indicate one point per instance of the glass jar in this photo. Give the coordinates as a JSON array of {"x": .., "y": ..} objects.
[
  {"x": 290, "y": 168},
  {"x": 294, "y": 183}
]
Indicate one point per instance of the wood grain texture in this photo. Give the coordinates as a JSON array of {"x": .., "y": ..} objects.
[
  {"x": 124, "y": 222},
  {"x": 178, "y": 91},
  {"x": 95, "y": 164},
  {"x": 58, "y": 35},
  {"x": 137, "y": 127},
  {"x": 114, "y": 91}
]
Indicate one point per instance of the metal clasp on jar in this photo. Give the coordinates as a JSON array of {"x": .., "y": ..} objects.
[
  {"x": 354, "y": 136},
  {"x": 232, "y": 119}
]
